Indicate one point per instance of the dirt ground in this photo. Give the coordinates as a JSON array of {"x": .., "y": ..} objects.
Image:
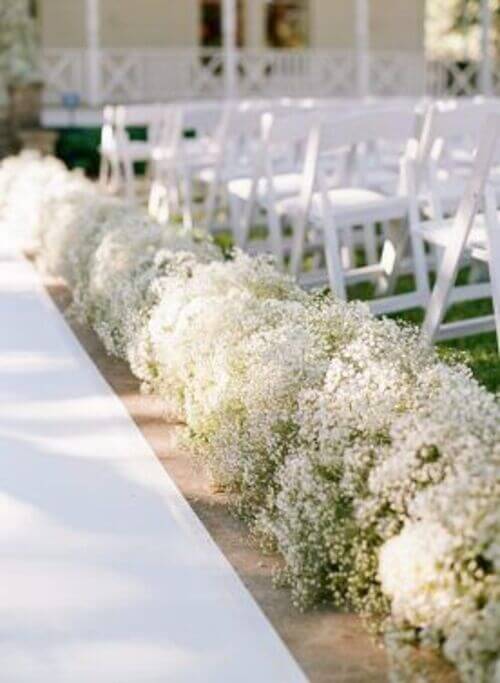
[{"x": 329, "y": 646}]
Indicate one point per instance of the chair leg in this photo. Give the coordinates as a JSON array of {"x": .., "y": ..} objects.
[
  {"x": 333, "y": 255},
  {"x": 493, "y": 231},
  {"x": 104, "y": 174},
  {"x": 128, "y": 174},
  {"x": 154, "y": 198},
  {"x": 172, "y": 184},
  {"x": 446, "y": 277},
  {"x": 211, "y": 202},
  {"x": 275, "y": 235},
  {"x": 334, "y": 263},
  {"x": 187, "y": 203},
  {"x": 477, "y": 273},
  {"x": 370, "y": 243},
  {"x": 393, "y": 250},
  {"x": 420, "y": 267},
  {"x": 115, "y": 179},
  {"x": 248, "y": 209},
  {"x": 236, "y": 223},
  {"x": 495, "y": 287},
  {"x": 347, "y": 249}
]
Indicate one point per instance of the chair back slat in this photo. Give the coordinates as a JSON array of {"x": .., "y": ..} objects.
[
  {"x": 454, "y": 121},
  {"x": 373, "y": 126}
]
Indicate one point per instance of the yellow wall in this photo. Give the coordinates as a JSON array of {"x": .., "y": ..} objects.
[
  {"x": 331, "y": 23},
  {"x": 397, "y": 25},
  {"x": 151, "y": 23},
  {"x": 62, "y": 23},
  {"x": 394, "y": 24}
]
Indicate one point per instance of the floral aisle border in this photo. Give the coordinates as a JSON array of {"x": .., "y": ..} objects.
[{"x": 371, "y": 466}]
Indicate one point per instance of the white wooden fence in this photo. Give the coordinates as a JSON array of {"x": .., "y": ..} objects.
[{"x": 142, "y": 75}]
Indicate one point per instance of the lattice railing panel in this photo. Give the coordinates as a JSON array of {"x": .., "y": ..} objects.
[
  {"x": 63, "y": 73},
  {"x": 396, "y": 73},
  {"x": 451, "y": 78},
  {"x": 160, "y": 75}
]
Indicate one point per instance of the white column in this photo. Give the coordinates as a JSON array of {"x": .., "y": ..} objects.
[
  {"x": 93, "y": 57},
  {"x": 254, "y": 24},
  {"x": 485, "y": 73},
  {"x": 229, "y": 44},
  {"x": 362, "y": 30}
]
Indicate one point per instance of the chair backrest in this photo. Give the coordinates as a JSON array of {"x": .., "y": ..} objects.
[
  {"x": 489, "y": 140},
  {"x": 170, "y": 127},
  {"x": 202, "y": 118},
  {"x": 453, "y": 121},
  {"x": 248, "y": 132},
  {"x": 380, "y": 124},
  {"x": 283, "y": 144},
  {"x": 108, "y": 133},
  {"x": 137, "y": 114},
  {"x": 363, "y": 144},
  {"x": 278, "y": 128},
  {"x": 146, "y": 116},
  {"x": 485, "y": 246}
]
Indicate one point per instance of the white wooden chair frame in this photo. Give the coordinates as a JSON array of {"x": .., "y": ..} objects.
[
  {"x": 164, "y": 197},
  {"x": 444, "y": 124},
  {"x": 176, "y": 162},
  {"x": 238, "y": 130},
  {"x": 283, "y": 125},
  {"x": 109, "y": 169},
  {"x": 325, "y": 139},
  {"x": 445, "y": 292},
  {"x": 281, "y": 138},
  {"x": 130, "y": 151}
]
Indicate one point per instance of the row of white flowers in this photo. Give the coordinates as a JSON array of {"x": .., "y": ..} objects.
[{"x": 368, "y": 464}]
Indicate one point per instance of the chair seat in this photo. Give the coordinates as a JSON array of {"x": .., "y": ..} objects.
[
  {"x": 351, "y": 206},
  {"x": 284, "y": 184},
  {"x": 440, "y": 233}
]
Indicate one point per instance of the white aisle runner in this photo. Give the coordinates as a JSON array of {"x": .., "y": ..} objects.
[{"x": 105, "y": 572}]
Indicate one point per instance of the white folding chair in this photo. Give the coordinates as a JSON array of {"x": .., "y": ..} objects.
[
  {"x": 175, "y": 162},
  {"x": 472, "y": 233},
  {"x": 277, "y": 165},
  {"x": 236, "y": 139},
  {"x": 446, "y": 150},
  {"x": 109, "y": 170},
  {"x": 333, "y": 213},
  {"x": 131, "y": 151},
  {"x": 276, "y": 174},
  {"x": 164, "y": 191}
]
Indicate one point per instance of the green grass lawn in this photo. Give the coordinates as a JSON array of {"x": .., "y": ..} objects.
[{"x": 479, "y": 352}]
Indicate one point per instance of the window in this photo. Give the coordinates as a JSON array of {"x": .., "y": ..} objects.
[
  {"x": 211, "y": 23},
  {"x": 286, "y": 23}
]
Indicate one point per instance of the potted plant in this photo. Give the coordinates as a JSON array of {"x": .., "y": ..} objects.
[{"x": 20, "y": 78}]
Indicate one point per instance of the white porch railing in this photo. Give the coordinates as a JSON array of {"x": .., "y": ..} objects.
[{"x": 142, "y": 75}]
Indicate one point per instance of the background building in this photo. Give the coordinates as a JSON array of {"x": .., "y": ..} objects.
[{"x": 98, "y": 51}]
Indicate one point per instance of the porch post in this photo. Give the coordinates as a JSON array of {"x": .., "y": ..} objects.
[
  {"x": 254, "y": 24},
  {"x": 485, "y": 67},
  {"x": 93, "y": 56},
  {"x": 362, "y": 31},
  {"x": 229, "y": 44}
]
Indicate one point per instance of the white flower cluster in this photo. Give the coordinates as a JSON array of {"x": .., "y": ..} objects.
[{"x": 372, "y": 467}]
